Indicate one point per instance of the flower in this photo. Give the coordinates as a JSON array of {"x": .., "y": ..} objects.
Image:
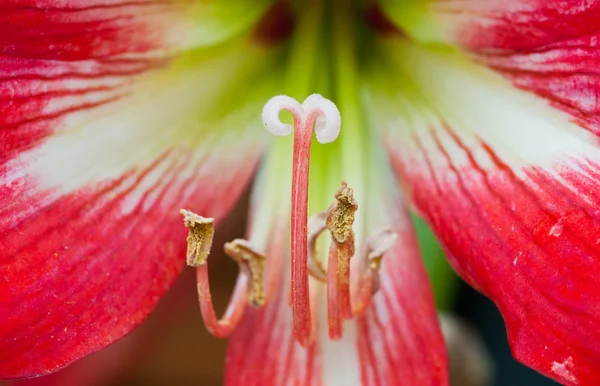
[{"x": 117, "y": 114}]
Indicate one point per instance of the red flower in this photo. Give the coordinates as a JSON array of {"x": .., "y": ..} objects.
[{"x": 117, "y": 114}]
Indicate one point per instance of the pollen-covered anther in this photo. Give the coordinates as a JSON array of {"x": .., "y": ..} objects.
[
  {"x": 340, "y": 215},
  {"x": 252, "y": 264},
  {"x": 322, "y": 116},
  {"x": 201, "y": 231}
]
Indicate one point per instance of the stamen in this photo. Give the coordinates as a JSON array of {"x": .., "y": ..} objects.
[
  {"x": 248, "y": 288},
  {"x": 376, "y": 245},
  {"x": 340, "y": 218},
  {"x": 323, "y": 116},
  {"x": 341, "y": 301},
  {"x": 316, "y": 226}
]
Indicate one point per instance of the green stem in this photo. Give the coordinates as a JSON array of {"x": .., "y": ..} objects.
[{"x": 304, "y": 51}]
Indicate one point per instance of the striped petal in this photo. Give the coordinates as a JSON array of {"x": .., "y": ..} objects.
[
  {"x": 105, "y": 133},
  {"x": 510, "y": 184},
  {"x": 396, "y": 342},
  {"x": 497, "y": 25},
  {"x": 548, "y": 47},
  {"x": 103, "y": 29}
]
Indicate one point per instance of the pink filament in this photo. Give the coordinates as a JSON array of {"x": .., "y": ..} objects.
[
  {"x": 235, "y": 309},
  {"x": 334, "y": 319},
  {"x": 345, "y": 252},
  {"x": 362, "y": 295}
]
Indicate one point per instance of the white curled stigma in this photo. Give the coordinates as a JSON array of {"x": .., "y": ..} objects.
[{"x": 316, "y": 111}]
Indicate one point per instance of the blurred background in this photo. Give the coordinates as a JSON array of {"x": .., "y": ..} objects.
[{"x": 173, "y": 348}]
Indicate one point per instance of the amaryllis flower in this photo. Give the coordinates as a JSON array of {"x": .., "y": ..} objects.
[{"x": 117, "y": 114}]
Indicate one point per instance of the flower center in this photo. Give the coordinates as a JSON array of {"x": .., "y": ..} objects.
[{"x": 321, "y": 115}]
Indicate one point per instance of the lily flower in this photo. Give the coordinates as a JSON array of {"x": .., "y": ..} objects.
[{"x": 483, "y": 115}]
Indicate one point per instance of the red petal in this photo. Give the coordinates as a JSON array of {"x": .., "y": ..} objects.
[
  {"x": 548, "y": 47},
  {"x": 96, "y": 162},
  {"x": 515, "y": 25},
  {"x": 106, "y": 366},
  {"x": 83, "y": 29},
  {"x": 510, "y": 186},
  {"x": 263, "y": 350},
  {"x": 396, "y": 342},
  {"x": 79, "y": 273},
  {"x": 399, "y": 340},
  {"x": 529, "y": 243},
  {"x": 50, "y": 52}
]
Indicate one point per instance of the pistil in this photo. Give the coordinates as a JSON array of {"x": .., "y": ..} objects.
[{"x": 321, "y": 115}]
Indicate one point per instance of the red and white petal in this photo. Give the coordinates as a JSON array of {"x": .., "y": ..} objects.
[
  {"x": 510, "y": 186},
  {"x": 105, "y": 29},
  {"x": 495, "y": 25},
  {"x": 100, "y": 149},
  {"x": 548, "y": 47},
  {"x": 263, "y": 350},
  {"x": 397, "y": 341},
  {"x": 118, "y": 360}
]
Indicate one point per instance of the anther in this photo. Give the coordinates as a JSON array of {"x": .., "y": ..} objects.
[
  {"x": 252, "y": 264},
  {"x": 249, "y": 285},
  {"x": 340, "y": 218},
  {"x": 321, "y": 115},
  {"x": 378, "y": 243},
  {"x": 199, "y": 241}
]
